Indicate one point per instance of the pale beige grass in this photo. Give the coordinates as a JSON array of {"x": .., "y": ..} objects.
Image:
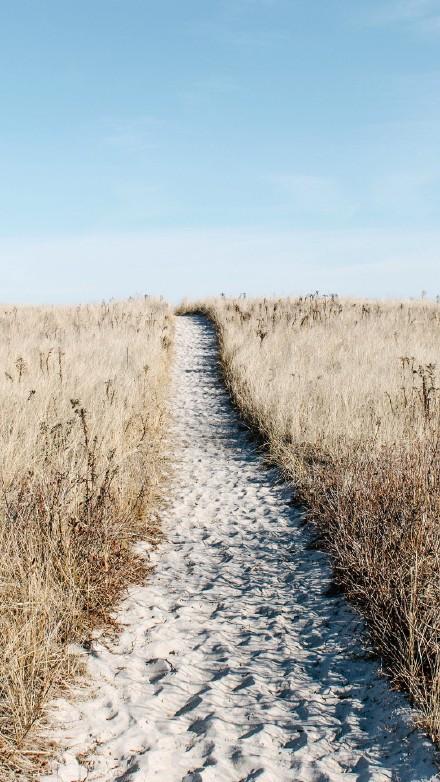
[
  {"x": 346, "y": 395},
  {"x": 82, "y": 419}
]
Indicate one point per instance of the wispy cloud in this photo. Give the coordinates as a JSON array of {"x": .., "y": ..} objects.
[
  {"x": 199, "y": 263},
  {"x": 238, "y": 29},
  {"x": 407, "y": 193},
  {"x": 136, "y": 134},
  {"x": 425, "y": 14},
  {"x": 313, "y": 195},
  {"x": 210, "y": 86},
  {"x": 254, "y": 39},
  {"x": 263, "y": 3}
]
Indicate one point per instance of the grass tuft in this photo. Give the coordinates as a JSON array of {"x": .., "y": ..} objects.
[
  {"x": 82, "y": 418},
  {"x": 347, "y": 396}
]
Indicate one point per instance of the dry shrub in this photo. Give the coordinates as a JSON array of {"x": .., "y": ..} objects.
[
  {"x": 346, "y": 394},
  {"x": 81, "y": 425}
]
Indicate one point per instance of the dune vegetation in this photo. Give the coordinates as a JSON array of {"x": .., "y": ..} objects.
[
  {"x": 346, "y": 396},
  {"x": 82, "y": 420}
]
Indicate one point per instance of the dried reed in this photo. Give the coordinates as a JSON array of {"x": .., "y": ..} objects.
[
  {"x": 346, "y": 394},
  {"x": 81, "y": 425}
]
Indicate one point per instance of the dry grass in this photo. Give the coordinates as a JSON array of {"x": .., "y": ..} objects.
[
  {"x": 81, "y": 424},
  {"x": 346, "y": 393}
]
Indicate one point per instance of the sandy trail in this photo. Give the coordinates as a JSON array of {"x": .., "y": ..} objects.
[{"x": 233, "y": 663}]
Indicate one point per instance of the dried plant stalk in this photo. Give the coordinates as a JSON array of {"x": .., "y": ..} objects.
[
  {"x": 81, "y": 425},
  {"x": 346, "y": 395}
]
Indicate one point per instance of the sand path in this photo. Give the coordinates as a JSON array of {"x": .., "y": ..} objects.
[{"x": 233, "y": 663}]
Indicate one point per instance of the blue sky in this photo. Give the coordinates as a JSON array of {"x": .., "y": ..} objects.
[{"x": 189, "y": 147}]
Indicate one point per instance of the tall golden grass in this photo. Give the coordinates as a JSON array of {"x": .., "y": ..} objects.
[
  {"x": 81, "y": 425},
  {"x": 346, "y": 394}
]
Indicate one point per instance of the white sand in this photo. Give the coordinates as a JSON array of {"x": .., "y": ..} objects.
[{"x": 233, "y": 663}]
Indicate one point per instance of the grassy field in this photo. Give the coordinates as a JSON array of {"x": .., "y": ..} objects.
[
  {"x": 346, "y": 395},
  {"x": 81, "y": 426}
]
